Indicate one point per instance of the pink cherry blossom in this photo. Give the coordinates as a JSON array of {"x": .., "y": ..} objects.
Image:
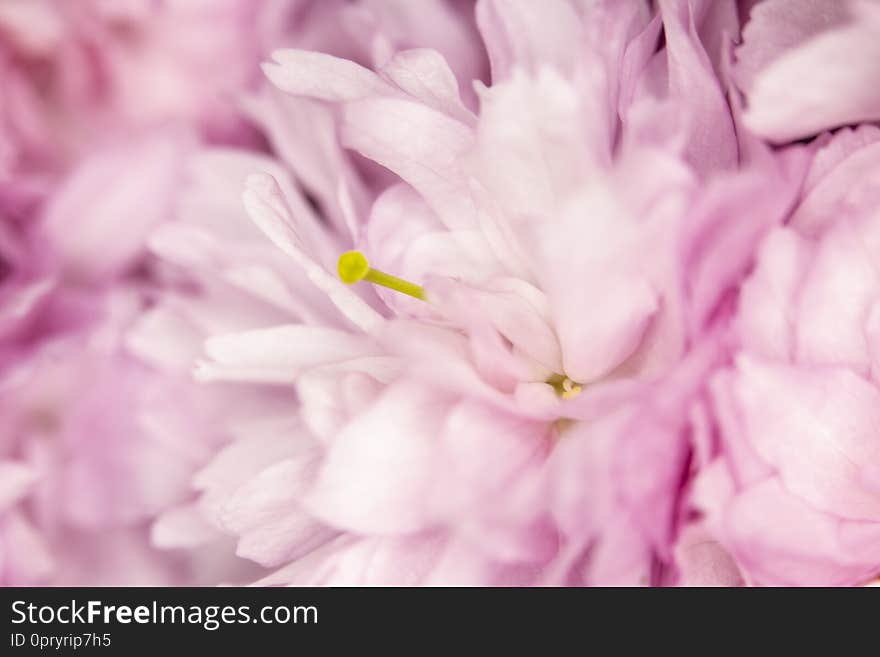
[
  {"x": 431, "y": 445},
  {"x": 106, "y": 105},
  {"x": 375, "y": 292},
  {"x": 99, "y": 439},
  {"x": 793, "y": 492}
]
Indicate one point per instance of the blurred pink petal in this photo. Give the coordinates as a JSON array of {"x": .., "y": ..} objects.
[
  {"x": 823, "y": 80},
  {"x": 134, "y": 184},
  {"x": 792, "y": 493},
  {"x": 704, "y": 562},
  {"x": 712, "y": 142},
  {"x": 776, "y": 26}
]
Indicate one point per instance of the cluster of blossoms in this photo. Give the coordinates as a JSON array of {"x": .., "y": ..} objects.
[{"x": 579, "y": 292}]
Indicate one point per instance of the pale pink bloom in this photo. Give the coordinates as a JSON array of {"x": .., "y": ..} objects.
[
  {"x": 247, "y": 283},
  {"x": 231, "y": 279},
  {"x": 74, "y": 403},
  {"x": 103, "y": 104},
  {"x": 576, "y": 233},
  {"x": 77, "y": 72},
  {"x": 809, "y": 66},
  {"x": 74, "y": 73},
  {"x": 793, "y": 493},
  {"x": 96, "y": 441},
  {"x": 580, "y": 206},
  {"x": 80, "y": 461},
  {"x": 76, "y": 77},
  {"x": 59, "y": 261}
]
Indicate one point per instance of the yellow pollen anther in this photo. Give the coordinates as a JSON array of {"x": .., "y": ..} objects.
[
  {"x": 353, "y": 266},
  {"x": 570, "y": 389},
  {"x": 565, "y": 387}
]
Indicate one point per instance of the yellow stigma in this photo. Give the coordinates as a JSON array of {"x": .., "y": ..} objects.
[
  {"x": 565, "y": 387},
  {"x": 353, "y": 266}
]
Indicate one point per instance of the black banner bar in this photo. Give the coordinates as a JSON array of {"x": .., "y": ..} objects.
[{"x": 330, "y": 621}]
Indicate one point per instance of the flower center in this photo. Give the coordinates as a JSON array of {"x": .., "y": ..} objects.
[
  {"x": 565, "y": 387},
  {"x": 353, "y": 266}
]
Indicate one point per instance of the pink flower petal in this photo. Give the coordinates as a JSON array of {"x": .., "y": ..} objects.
[
  {"x": 521, "y": 33},
  {"x": 816, "y": 426},
  {"x": 283, "y": 352},
  {"x": 316, "y": 75},
  {"x": 780, "y": 540},
  {"x": 790, "y": 98},
  {"x": 378, "y": 473},
  {"x": 419, "y": 144}
]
